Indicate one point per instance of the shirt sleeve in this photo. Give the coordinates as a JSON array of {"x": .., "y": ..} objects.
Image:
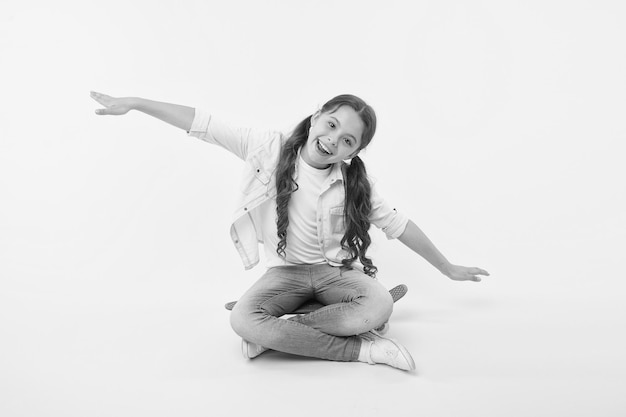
[
  {"x": 388, "y": 219},
  {"x": 239, "y": 141}
]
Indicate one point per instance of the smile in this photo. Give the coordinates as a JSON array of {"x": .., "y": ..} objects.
[{"x": 322, "y": 148}]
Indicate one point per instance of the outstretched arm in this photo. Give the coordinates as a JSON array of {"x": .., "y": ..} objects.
[
  {"x": 416, "y": 240},
  {"x": 174, "y": 114}
]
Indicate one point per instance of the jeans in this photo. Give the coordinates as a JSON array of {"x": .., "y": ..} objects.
[{"x": 354, "y": 304}]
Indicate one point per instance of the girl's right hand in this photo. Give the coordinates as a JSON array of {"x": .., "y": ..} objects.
[{"x": 112, "y": 105}]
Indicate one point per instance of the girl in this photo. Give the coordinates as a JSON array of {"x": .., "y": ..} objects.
[{"x": 312, "y": 211}]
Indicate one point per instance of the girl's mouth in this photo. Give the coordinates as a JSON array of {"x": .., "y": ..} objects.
[{"x": 322, "y": 148}]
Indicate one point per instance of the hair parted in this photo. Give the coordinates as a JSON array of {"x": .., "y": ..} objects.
[{"x": 357, "y": 207}]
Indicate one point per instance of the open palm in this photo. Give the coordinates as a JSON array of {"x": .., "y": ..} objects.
[
  {"x": 112, "y": 105},
  {"x": 463, "y": 273}
]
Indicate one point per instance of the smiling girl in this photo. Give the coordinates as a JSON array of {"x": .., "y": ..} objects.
[{"x": 307, "y": 197}]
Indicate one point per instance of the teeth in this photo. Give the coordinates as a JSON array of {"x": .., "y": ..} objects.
[{"x": 324, "y": 148}]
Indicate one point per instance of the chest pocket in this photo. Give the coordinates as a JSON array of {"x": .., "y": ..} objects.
[
  {"x": 259, "y": 171},
  {"x": 337, "y": 222},
  {"x": 256, "y": 177}
]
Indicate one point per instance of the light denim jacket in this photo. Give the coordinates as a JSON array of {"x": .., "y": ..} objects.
[{"x": 261, "y": 150}]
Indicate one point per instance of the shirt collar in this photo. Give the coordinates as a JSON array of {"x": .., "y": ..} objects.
[{"x": 336, "y": 173}]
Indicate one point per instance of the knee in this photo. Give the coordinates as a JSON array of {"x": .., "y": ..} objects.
[
  {"x": 240, "y": 321},
  {"x": 380, "y": 308},
  {"x": 374, "y": 311},
  {"x": 387, "y": 305}
]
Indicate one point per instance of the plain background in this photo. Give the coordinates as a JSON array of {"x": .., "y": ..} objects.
[{"x": 501, "y": 133}]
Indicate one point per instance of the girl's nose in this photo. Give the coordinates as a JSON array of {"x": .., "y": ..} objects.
[{"x": 332, "y": 141}]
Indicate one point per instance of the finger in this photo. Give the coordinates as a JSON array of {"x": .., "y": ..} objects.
[
  {"x": 100, "y": 98},
  {"x": 102, "y": 111},
  {"x": 479, "y": 271}
]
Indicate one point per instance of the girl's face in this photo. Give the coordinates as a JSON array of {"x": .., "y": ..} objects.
[{"x": 334, "y": 136}]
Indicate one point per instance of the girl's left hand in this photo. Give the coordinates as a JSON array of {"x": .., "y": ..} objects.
[
  {"x": 463, "y": 273},
  {"x": 112, "y": 105}
]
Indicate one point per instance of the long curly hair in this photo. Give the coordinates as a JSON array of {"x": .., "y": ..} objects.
[{"x": 357, "y": 206}]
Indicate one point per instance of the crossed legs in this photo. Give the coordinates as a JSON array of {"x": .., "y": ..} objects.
[{"x": 354, "y": 304}]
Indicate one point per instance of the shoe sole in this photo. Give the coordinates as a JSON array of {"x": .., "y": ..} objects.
[{"x": 244, "y": 349}]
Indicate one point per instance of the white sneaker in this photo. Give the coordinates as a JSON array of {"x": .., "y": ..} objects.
[
  {"x": 386, "y": 351},
  {"x": 251, "y": 350}
]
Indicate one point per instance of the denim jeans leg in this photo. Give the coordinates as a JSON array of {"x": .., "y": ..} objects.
[
  {"x": 280, "y": 291},
  {"x": 355, "y": 303}
]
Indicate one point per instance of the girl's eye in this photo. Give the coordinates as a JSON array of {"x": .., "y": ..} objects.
[
  {"x": 348, "y": 141},
  {"x": 331, "y": 124}
]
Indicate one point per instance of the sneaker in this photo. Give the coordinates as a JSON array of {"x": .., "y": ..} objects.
[
  {"x": 387, "y": 351},
  {"x": 251, "y": 350}
]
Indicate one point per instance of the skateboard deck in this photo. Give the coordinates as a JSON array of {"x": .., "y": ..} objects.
[{"x": 396, "y": 292}]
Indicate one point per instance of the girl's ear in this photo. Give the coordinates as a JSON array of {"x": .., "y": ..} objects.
[{"x": 315, "y": 116}]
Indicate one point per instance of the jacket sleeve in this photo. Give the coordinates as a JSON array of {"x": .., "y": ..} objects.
[
  {"x": 388, "y": 219},
  {"x": 239, "y": 141}
]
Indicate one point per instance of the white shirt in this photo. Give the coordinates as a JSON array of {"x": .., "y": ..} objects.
[{"x": 303, "y": 236}]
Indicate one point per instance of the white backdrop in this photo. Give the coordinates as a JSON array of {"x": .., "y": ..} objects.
[{"x": 500, "y": 133}]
